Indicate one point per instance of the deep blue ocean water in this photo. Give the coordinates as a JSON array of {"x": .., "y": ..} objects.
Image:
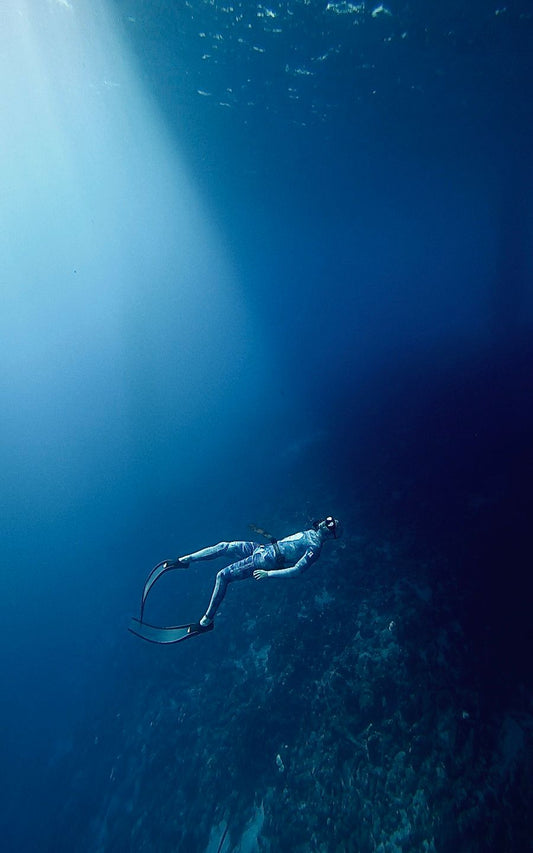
[{"x": 260, "y": 263}]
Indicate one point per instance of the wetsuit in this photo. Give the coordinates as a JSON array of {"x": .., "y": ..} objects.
[{"x": 288, "y": 557}]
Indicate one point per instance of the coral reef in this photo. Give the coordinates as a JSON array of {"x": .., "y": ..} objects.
[{"x": 341, "y": 715}]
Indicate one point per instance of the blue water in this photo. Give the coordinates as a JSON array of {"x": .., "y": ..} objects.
[{"x": 260, "y": 263}]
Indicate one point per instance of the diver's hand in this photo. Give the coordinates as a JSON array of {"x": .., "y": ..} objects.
[{"x": 260, "y": 573}]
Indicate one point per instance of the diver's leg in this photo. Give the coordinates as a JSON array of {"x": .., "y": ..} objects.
[
  {"x": 236, "y": 572},
  {"x": 230, "y": 549}
]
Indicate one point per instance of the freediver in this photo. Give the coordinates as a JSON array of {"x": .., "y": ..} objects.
[{"x": 284, "y": 558}]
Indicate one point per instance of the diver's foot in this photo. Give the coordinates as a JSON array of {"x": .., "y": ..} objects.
[
  {"x": 198, "y": 628},
  {"x": 182, "y": 562}
]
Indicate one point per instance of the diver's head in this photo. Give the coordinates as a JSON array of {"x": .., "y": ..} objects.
[{"x": 330, "y": 526}]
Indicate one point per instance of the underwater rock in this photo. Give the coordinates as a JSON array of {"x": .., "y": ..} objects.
[{"x": 332, "y": 735}]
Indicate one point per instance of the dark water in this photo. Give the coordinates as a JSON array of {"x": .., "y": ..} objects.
[{"x": 262, "y": 263}]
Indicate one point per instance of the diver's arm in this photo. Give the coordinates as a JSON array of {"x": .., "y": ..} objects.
[{"x": 310, "y": 556}]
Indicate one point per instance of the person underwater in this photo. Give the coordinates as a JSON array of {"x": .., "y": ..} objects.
[{"x": 283, "y": 558}]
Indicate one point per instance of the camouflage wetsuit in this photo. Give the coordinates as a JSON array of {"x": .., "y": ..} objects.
[{"x": 288, "y": 557}]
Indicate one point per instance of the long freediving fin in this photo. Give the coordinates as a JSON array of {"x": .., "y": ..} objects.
[
  {"x": 165, "y": 636},
  {"x": 155, "y": 574}
]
